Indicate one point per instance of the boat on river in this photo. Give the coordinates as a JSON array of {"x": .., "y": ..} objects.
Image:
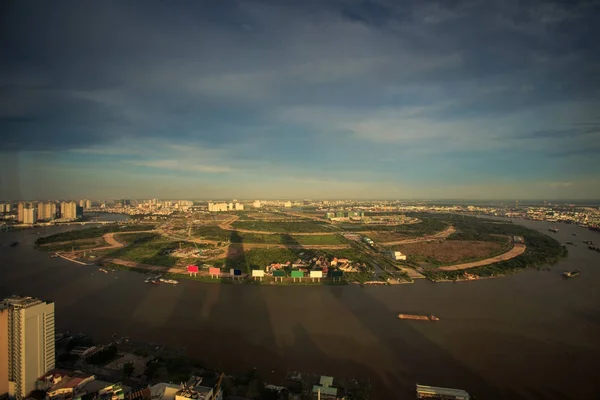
[
  {"x": 571, "y": 274},
  {"x": 418, "y": 317}
]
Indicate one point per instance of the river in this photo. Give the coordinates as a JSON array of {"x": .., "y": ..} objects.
[{"x": 530, "y": 335}]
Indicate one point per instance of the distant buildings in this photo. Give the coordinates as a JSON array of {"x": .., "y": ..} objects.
[
  {"x": 85, "y": 204},
  {"x": 29, "y": 215},
  {"x": 70, "y": 210},
  {"x": 256, "y": 204},
  {"x": 220, "y": 207},
  {"x": 46, "y": 211},
  {"x": 5, "y": 208},
  {"x": 287, "y": 204},
  {"x": 26, "y": 344},
  {"x": 20, "y": 208}
]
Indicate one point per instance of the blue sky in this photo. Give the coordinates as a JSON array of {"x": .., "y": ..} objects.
[{"x": 296, "y": 99}]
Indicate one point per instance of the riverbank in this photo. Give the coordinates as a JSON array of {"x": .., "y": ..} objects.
[{"x": 540, "y": 329}]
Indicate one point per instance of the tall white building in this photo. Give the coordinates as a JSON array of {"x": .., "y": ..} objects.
[
  {"x": 217, "y": 207},
  {"x": 27, "y": 338},
  {"x": 20, "y": 208},
  {"x": 256, "y": 204},
  {"x": 239, "y": 207},
  {"x": 29, "y": 215},
  {"x": 68, "y": 210}
]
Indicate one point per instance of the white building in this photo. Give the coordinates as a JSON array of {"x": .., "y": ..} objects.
[
  {"x": 256, "y": 204},
  {"x": 68, "y": 210},
  {"x": 287, "y": 204},
  {"x": 239, "y": 207},
  {"x": 29, "y": 215},
  {"x": 27, "y": 333},
  {"x": 396, "y": 255},
  {"x": 20, "y": 208},
  {"x": 217, "y": 207}
]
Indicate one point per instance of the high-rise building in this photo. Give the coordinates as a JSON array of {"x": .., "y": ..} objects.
[
  {"x": 239, "y": 207},
  {"x": 68, "y": 210},
  {"x": 20, "y": 208},
  {"x": 29, "y": 215},
  {"x": 87, "y": 205},
  {"x": 27, "y": 334},
  {"x": 3, "y": 350},
  {"x": 216, "y": 207},
  {"x": 256, "y": 204},
  {"x": 46, "y": 211}
]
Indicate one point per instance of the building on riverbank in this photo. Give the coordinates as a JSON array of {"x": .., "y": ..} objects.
[{"x": 29, "y": 335}]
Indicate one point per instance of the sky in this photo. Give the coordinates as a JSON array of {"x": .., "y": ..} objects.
[{"x": 495, "y": 99}]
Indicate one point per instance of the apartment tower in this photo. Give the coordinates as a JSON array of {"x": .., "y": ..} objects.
[{"x": 27, "y": 338}]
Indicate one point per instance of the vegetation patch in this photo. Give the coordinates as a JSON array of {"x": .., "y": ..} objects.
[
  {"x": 541, "y": 249},
  {"x": 92, "y": 233},
  {"x": 452, "y": 251},
  {"x": 427, "y": 226},
  {"x": 283, "y": 227},
  {"x": 260, "y": 258},
  {"x": 81, "y": 244},
  {"x": 150, "y": 249}
]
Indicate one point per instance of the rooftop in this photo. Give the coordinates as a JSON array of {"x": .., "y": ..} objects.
[
  {"x": 440, "y": 391},
  {"x": 20, "y": 302}
]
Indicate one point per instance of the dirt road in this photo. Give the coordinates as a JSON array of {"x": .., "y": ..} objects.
[
  {"x": 108, "y": 238},
  {"x": 517, "y": 250}
]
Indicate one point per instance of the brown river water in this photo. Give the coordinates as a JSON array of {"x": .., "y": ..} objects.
[{"x": 531, "y": 335}]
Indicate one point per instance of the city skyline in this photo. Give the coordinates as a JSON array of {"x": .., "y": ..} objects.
[{"x": 341, "y": 99}]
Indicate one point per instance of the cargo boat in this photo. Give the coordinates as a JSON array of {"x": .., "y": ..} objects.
[
  {"x": 571, "y": 274},
  {"x": 418, "y": 317}
]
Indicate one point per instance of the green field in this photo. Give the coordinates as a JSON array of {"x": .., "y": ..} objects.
[
  {"x": 212, "y": 233},
  {"x": 284, "y": 227},
  {"x": 82, "y": 244},
  {"x": 149, "y": 249},
  {"x": 427, "y": 226},
  {"x": 260, "y": 258},
  {"x": 92, "y": 233},
  {"x": 222, "y": 235}
]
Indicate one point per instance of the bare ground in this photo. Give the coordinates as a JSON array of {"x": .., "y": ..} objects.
[
  {"x": 450, "y": 251},
  {"x": 517, "y": 250}
]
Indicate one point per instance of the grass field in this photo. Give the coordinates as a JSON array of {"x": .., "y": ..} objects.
[
  {"x": 222, "y": 235},
  {"x": 283, "y": 227},
  {"x": 212, "y": 233},
  {"x": 81, "y": 244},
  {"x": 382, "y": 237},
  {"x": 260, "y": 258},
  {"x": 427, "y": 226},
  {"x": 149, "y": 249},
  {"x": 92, "y": 233},
  {"x": 451, "y": 251}
]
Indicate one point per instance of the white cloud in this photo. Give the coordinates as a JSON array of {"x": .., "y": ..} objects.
[{"x": 179, "y": 165}]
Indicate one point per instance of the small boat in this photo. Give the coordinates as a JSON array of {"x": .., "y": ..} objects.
[
  {"x": 574, "y": 234},
  {"x": 418, "y": 317},
  {"x": 571, "y": 274},
  {"x": 14, "y": 244},
  {"x": 554, "y": 230},
  {"x": 103, "y": 270}
]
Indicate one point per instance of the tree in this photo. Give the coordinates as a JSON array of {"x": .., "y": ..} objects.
[{"x": 128, "y": 369}]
